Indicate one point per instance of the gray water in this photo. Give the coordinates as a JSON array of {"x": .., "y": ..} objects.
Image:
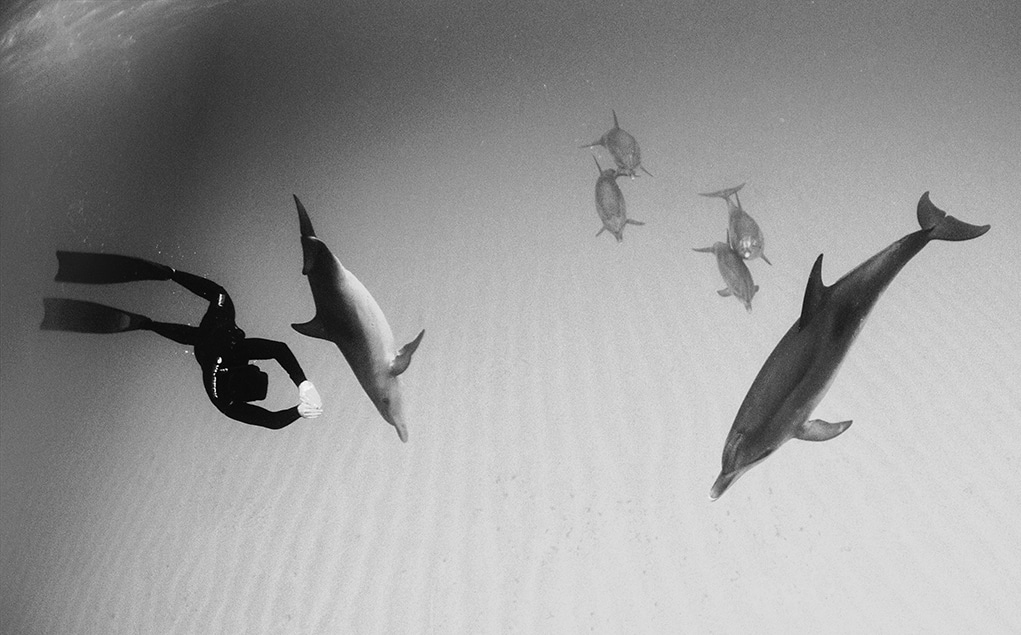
[{"x": 436, "y": 147}]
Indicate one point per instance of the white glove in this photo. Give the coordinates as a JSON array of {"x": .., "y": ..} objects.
[{"x": 311, "y": 404}]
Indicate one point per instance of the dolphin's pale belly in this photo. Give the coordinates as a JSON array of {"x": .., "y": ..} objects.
[{"x": 368, "y": 345}]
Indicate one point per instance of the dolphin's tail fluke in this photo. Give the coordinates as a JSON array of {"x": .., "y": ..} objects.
[
  {"x": 303, "y": 220},
  {"x": 942, "y": 225}
]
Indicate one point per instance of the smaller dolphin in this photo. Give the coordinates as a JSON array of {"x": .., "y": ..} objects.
[
  {"x": 610, "y": 204},
  {"x": 735, "y": 273},
  {"x": 743, "y": 232},
  {"x": 348, "y": 316},
  {"x": 623, "y": 147},
  {"x": 801, "y": 368}
]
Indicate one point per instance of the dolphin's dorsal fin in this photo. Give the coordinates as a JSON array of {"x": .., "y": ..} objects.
[
  {"x": 819, "y": 430},
  {"x": 312, "y": 328},
  {"x": 814, "y": 292},
  {"x": 615, "y": 124},
  {"x": 400, "y": 363}
]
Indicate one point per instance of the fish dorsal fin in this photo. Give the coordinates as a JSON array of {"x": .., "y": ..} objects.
[
  {"x": 312, "y": 328},
  {"x": 814, "y": 292},
  {"x": 400, "y": 363}
]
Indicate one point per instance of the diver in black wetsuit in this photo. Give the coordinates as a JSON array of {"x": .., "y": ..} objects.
[{"x": 221, "y": 348}]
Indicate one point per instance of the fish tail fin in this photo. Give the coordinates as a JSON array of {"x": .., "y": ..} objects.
[{"x": 942, "y": 226}]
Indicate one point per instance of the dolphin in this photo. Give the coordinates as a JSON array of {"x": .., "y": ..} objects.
[
  {"x": 801, "y": 368},
  {"x": 348, "y": 316},
  {"x": 626, "y": 153},
  {"x": 610, "y": 204},
  {"x": 743, "y": 232},
  {"x": 735, "y": 273}
]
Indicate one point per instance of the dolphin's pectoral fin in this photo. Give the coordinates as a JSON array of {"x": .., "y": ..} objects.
[
  {"x": 312, "y": 328},
  {"x": 632, "y": 221},
  {"x": 819, "y": 430},
  {"x": 724, "y": 292},
  {"x": 601, "y": 230},
  {"x": 763, "y": 256},
  {"x": 400, "y": 363},
  {"x": 814, "y": 292}
]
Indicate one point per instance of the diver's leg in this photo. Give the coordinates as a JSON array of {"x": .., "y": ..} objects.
[{"x": 180, "y": 333}]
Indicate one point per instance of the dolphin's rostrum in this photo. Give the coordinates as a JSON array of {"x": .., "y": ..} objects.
[
  {"x": 802, "y": 366},
  {"x": 348, "y": 316}
]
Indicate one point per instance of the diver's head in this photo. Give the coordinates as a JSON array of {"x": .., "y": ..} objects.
[{"x": 245, "y": 383}]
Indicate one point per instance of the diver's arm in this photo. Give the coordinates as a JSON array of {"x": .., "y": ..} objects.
[
  {"x": 259, "y": 348},
  {"x": 257, "y": 416}
]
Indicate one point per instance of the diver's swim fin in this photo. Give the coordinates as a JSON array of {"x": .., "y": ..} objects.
[
  {"x": 92, "y": 268},
  {"x": 81, "y": 316}
]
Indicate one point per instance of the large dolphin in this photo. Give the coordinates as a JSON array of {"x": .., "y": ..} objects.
[
  {"x": 348, "y": 316},
  {"x": 743, "y": 232},
  {"x": 735, "y": 273},
  {"x": 802, "y": 366},
  {"x": 610, "y": 204},
  {"x": 626, "y": 153}
]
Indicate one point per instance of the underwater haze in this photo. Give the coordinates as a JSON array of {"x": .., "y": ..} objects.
[{"x": 568, "y": 406}]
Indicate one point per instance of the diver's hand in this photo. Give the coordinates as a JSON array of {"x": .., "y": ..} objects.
[{"x": 311, "y": 405}]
